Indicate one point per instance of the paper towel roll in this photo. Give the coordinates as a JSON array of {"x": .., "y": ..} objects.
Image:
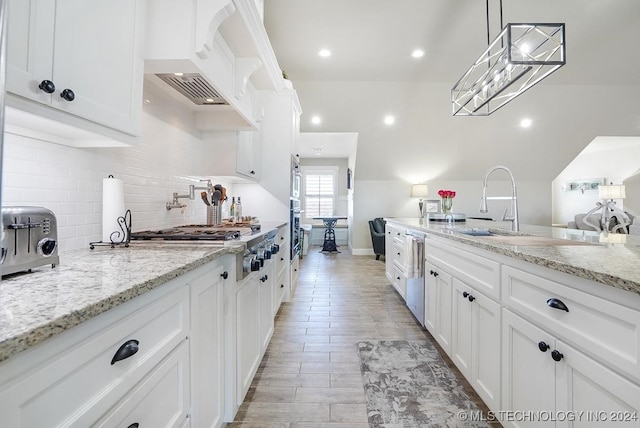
[{"x": 112, "y": 208}]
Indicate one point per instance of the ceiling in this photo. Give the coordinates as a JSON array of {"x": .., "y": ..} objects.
[{"x": 371, "y": 73}]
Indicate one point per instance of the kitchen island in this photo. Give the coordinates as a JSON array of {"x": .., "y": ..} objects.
[{"x": 541, "y": 320}]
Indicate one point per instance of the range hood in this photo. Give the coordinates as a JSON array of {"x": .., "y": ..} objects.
[{"x": 214, "y": 58}]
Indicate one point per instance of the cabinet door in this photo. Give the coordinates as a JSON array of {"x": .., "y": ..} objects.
[
  {"x": 97, "y": 56},
  {"x": 599, "y": 396},
  {"x": 461, "y": 331},
  {"x": 30, "y": 47},
  {"x": 486, "y": 327},
  {"x": 248, "y": 154},
  {"x": 248, "y": 344},
  {"x": 528, "y": 373},
  {"x": 438, "y": 305},
  {"x": 266, "y": 324},
  {"x": 207, "y": 339}
]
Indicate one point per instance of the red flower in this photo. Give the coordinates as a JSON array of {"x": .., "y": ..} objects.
[{"x": 447, "y": 193}]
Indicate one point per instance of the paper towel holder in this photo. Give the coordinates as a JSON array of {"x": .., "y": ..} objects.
[{"x": 122, "y": 237}]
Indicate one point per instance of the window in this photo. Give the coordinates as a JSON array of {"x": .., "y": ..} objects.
[{"x": 319, "y": 191}]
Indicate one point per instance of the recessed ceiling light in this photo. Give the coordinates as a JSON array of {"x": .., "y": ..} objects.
[
  {"x": 418, "y": 53},
  {"x": 324, "y": 53},
  {"x": 525, "y": 123},
  {"x": 316, "y": 120},
  {"x": 178, "y": 74},
  {"x": 389, "y": 120}
]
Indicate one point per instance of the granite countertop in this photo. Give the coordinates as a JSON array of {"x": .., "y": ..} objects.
[
  {"x": 614, "y": 264},
  {"x": 38, "y": 305}
]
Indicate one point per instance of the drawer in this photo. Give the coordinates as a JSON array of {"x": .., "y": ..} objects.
[
  {"x": 399, "y": 281},
  {"x": 79, "y": 385},
  {"x": 479, "y": 272},
  {"x": 159, "y": 400},
  {"x": 605, "y": 329}
]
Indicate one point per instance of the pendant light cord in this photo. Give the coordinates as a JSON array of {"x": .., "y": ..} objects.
[{"x": 501, "y": 23}]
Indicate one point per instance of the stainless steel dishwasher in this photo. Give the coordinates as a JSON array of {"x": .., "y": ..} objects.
[{"x": 415, "y": 278}]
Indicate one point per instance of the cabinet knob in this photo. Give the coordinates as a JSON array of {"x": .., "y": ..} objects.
[
  {"x": 398, "y": 253},
  {"x": 435, "y": 273},
  {"x": 264, "y": 278},
  {"x": 465, "y": 294},
  {"x": 543, "y": 347},
  {"x": 134, "y": 425},
  {"x": 281, "y": 285},
  {"x": 281, "y": 259},
  {"x": 68, "y": 94},
  {"x": 556, "y": 355},
  {"x": 126, "y": 350},
  {"x": 471, "y": 298},
  {"x": 557, "y": 304},
  {"x": 224, "y": 274},
  {"x": 252, "y": 172},
  {"x": 47, "y": 86}
]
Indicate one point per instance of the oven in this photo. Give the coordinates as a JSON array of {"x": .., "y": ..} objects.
[
  {"x": 296, "y": 178},
  {"x": 294, "y": 227}
]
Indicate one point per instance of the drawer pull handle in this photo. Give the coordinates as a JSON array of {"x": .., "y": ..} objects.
[
  {"x": 556, "y": 355},
  {"x": 224, "y": 275},
  {"x": 471, "y": 298},
  {"x": 128, "y": 348},
  {"x": 134, "y": 425},
  {"x": 557, "y": 304},
  {"x": 543, "y": 347}
]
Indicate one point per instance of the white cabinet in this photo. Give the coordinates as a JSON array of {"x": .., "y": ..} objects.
[
  {"x": 160, "y": 400},
  {"x": 544, "y": 375},
  {"x": 77, "y": 57},
  {"x": 475, "y": 341},
  {"x": 438, "y": 292},
  {"x": 267, "y": 290},
  {"x": 247, "y": 334},
  {"x": 235, "y": 156},
  {"x": 207, "y": 343},
  {"x": 295, "y": 267},
  {"x": 47, "y": 385},
  {"x": 395, "y": 258},
  {"x": 282, "y": 266}
]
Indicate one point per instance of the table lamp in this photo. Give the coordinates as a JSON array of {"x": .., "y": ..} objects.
[{"x": 420, "y": 191}]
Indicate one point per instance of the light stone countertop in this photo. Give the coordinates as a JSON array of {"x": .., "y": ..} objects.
[
  {"x": 38, "y": 305},
  {"x": 616, "y": 265}
]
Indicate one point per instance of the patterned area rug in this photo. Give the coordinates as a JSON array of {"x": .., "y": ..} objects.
[{"x": 408, "y": 384}]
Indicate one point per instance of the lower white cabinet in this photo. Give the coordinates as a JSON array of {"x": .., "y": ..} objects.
[
  {"x": 267, "y": 291},
  {"x": 77, "y": 377},
  {"x": 438, "y": 292},
  {"x": 160, "y": 400},
  {"x": 475, "y": 341},
  {"x": 247, "y": 334},
  {"x": 545, "y": 376},
  {"x": 207, "y": 343}
]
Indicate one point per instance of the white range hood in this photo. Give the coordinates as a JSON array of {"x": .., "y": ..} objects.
[{"x": 213, "y": 57}]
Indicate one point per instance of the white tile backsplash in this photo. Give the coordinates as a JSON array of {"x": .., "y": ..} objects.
[{"x": 68, "y": 180}]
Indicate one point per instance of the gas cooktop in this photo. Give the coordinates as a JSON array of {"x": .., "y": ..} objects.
[{"x": 194, "y": 233}]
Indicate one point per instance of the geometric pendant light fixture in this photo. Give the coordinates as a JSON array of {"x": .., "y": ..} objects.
[{"x": 518, "y": 58}]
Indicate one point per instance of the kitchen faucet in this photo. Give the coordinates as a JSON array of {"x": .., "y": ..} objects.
[
  {"x": 192, "y": 195},
  {"x": 513, "y": 217}
]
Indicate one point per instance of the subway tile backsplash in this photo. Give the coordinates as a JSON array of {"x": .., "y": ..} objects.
[{"x": 68, "y": 180}]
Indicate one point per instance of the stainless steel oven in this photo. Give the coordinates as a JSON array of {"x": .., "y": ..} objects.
[
  {"x": 294, "y": 227},
  {"x": 296, "y": 178}
]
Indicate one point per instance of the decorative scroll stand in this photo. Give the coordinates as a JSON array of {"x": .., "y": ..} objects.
[{"x": 118, "y": 238}]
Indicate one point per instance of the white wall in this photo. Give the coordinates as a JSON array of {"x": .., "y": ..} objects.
[{"x": 68, "y": 180}]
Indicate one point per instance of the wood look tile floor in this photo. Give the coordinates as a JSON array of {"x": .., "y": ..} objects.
[{"x": 310, "y": 374}]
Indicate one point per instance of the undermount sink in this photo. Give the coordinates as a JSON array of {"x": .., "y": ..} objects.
[{"x": 499, "y": 237}]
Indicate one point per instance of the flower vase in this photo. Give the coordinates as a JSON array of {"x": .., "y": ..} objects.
[{"x": 447, "y": 204}]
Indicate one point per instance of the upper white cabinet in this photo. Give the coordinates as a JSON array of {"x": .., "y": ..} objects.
[
  {"x": 234, "y": 156},
  {"x": 71, "y": 59}
]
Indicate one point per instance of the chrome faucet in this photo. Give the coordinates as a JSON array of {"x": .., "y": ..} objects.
[{"x": 513, "y": 217}]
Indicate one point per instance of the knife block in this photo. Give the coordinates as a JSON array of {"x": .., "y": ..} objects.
[{"x": 214, "y": 215}]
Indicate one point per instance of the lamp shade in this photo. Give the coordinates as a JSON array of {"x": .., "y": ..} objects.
[
  {"x": 419, "y": 190},
  {"x": 612, "y": 192}
]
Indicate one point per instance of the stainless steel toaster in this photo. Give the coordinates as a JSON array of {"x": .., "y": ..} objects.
[{"x": 29, "y": 239}]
